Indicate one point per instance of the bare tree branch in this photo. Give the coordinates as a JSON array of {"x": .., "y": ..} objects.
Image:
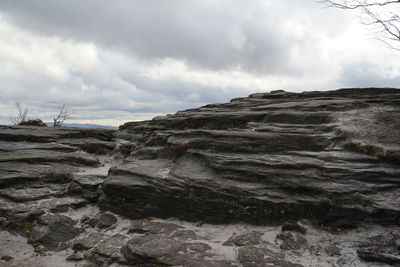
[
  {"x": 21, "y": 116},
  {"x": 355, "y": 4},
  {"x": 382, "y": 14},
  {"x": 62, "y": 115}
]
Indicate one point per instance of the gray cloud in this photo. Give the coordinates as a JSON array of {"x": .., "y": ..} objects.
[
  {"x": 131, "y": 59},
  {"x": 216, "y": 35},
  {"x": 366, "y": 74}
]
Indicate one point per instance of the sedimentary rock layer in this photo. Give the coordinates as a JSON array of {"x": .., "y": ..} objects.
[{"x": 332, "y": 157}]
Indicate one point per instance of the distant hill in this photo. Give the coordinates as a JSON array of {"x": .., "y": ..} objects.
[{"x": 86, "y": 125}]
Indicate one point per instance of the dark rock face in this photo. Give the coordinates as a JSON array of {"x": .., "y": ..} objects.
[
  {"x": 36, "y": 166},
  {"x": 104, "y": 220},
  {"x": 374, "y": 254},
  {"x": 381, "y": 249},
  {"x": 277, "y": 179},
  {"x": 259, "y": 257},
  {"x": 265, "y": 159},
  {"x": 165, "y": 251},
  {"x": 251, "y": 238},
  {"x": 292, "y": 241},
  {"x": 147, "y": 226},
  {"x": 293, "y": 226},
  {"x": 88, "y": 242},
  {"x": 53, "y": 232}
]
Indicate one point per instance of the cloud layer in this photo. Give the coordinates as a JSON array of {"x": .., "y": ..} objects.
[{"x": 115, "y": 61}]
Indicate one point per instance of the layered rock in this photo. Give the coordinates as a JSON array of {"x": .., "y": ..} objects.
[
  {"x": 277, "y": 179},
  {"x": 331, "y": 157},
  {"x": 38, "y": 163}
]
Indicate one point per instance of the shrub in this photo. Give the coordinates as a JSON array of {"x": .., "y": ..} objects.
[{"x": 35, "y": 122}]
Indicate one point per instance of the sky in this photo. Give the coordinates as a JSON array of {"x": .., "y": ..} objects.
[{"x": 112, "y": 62}]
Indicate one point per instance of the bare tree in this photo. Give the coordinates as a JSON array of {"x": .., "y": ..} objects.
[
  {"x": 382, "y": 15},
  {"x": 21, "y": 116},
  {"x": 62, "y": 115}
]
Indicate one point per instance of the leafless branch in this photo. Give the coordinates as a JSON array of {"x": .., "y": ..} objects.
[
  {"x": 22, "y": 114},
  {"x": 355, "y": 4},
  {"x": 62, "y": 115},
  {"x": 382, "y": 14}
]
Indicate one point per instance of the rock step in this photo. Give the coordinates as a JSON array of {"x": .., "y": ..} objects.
[
  {"x": 264, "y": 158},
  {"x": 51, "y": 134},
  {"x": 42, "y": 156},
  {"x": 252, "y": 142},
  {"x": 190, "y": 183},
  {"x": 24, "y": 194},
  {"x": 17, "y": 173}
]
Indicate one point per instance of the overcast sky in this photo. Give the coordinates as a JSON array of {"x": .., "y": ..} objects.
[{"x": 124, "y": 60}]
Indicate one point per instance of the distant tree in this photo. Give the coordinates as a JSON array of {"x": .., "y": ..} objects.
[
  {"x": 21, "y": 116},
  {"x": 61, "y": 116},
  {"x": 382, "y": 16}
]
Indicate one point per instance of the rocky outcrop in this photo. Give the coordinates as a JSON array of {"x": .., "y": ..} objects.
[
  {"x": 38, "y": 163},
  {"x": 330, "y": 157},
  {"x": 275, "y": 179}
]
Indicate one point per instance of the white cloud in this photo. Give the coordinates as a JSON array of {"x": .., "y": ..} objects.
[{"x": 51, "y": 57}]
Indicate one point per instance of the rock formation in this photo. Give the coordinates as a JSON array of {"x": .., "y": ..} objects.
[
  {"x": 274, "y": 179},
  {"x": 264, "y": 159}
]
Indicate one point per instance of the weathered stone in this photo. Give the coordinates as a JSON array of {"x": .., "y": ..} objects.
[
  {"x": 373, "y": 254},
  {"x": 63, "y": 204},
  {"x": 333, "y": 250},
  {"x": 89, "y": 182},
  {"x": 3, "y": 222},
  {"x": 152, "y": 227},
  {"x": 13, "y": 173},
  {"x": 250, "y": 256},
  {"x": 41, "y": 156},
  {"x": 31, "y": 193},
  {"x": 119, "y": 258},
  {"x": 104, "y": 220},
  {"x": 95, "y": 146},
  {"x": 88, "y": 242},
  {"x": 17, "y": 214},
  {"x": 125, "y": 149},
  {"x": 292, "y": 241},
  {"x": 165, "y": 251},
  {"x": 74, "y": 188},
  {"x": 110, "y": 245},
  {"x": 293, "y": 226},
  {"x": 246, "y": 239},
  {"x": 6, "y": 258},
  {"x": 151, "y": 248},
  {"x": 76, "y": 256},
  {"x": 96, "y": 259},
  {"x": 86, "y": 220},
  {"x": 51, "y": 134},
  {"x": 54, "y": 232},
  {"x": 198, "y": 247},
  {"x": 265, "y": 159},
  {"x": 184, "y": 235}
]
